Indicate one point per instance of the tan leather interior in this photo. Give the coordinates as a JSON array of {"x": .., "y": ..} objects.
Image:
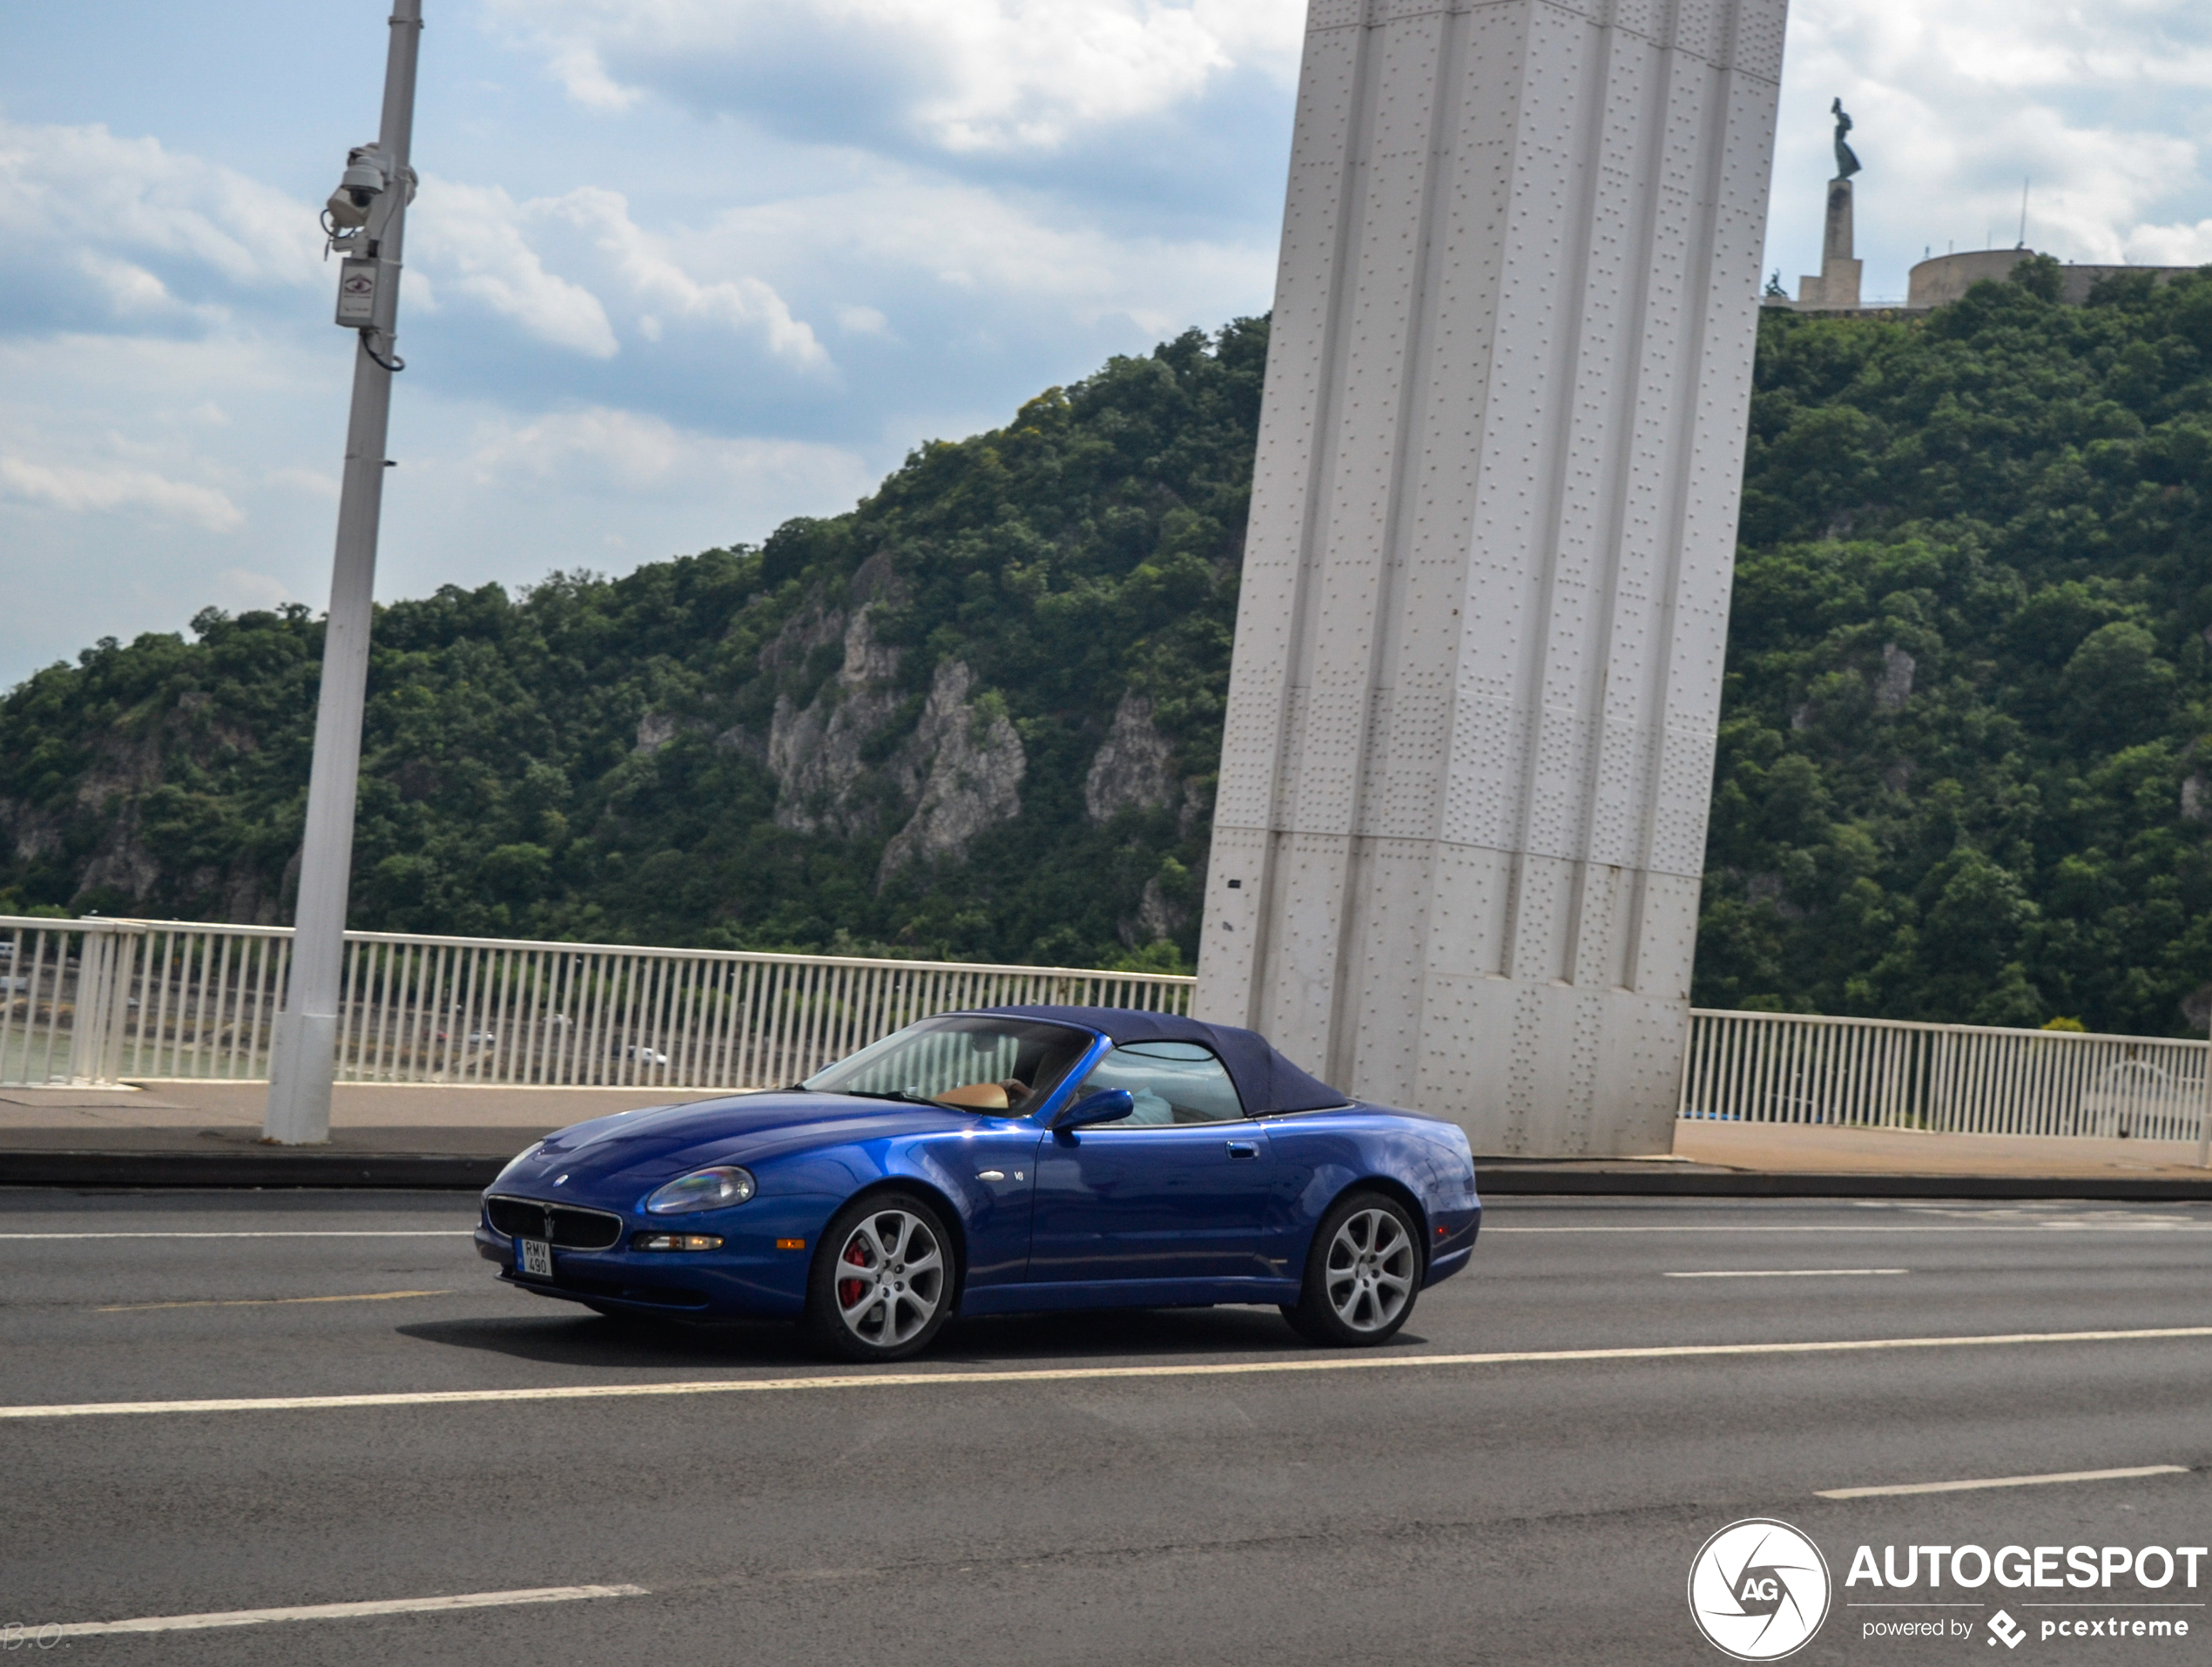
[{"x": 976, "y": 1096}]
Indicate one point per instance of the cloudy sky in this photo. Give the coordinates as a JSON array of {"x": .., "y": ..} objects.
[{"x": 682, "y": 268}]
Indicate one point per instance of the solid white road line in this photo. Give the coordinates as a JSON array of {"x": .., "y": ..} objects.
[
  {"x": 2070, "y": 1225},
  {"x": 1073, "y": 1374},
  {"x": 327, "y": 1611},
  {"x": 294, "y": 1233},
  {"x": 263, "y": 1302},
  {"x": 1786, "y": 1274},
  {"x": 2005, "y": 1481}
]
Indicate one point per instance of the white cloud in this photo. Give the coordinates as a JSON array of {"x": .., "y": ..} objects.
[
  {"x": 478, "y": 242},
  {"x": 116, "y": 204},
  {"x": 2013, "y": 46},
  {"x": 2171, "y": 246},
  {"x": 129, "y": 288},
  {"x": 79, "y": 490},
  {"x": 576, "y": 66},
  {"x": 471, "y": 240},
  {"x": 654, "y": 279},
  {"x": 130, "y": 221},
  {"x": 242, "y": 587},
  {"x": 604, "y": 449},
  {"x": 125, "y": 511},
  {"x": 314, "y": 483},
  {"x": 990, "y": 244},
  {"x": 974, "y": 74}
]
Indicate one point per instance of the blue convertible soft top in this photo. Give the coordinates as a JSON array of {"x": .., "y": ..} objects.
[{"x": 1265, "y": 1081}]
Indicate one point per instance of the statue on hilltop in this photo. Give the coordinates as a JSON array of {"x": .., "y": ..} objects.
[{"x": 1846, "y": 163}]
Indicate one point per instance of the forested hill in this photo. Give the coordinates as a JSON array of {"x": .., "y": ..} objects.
[
  {"x": 1963, "y": 743},
  {"x": 979, "y": 717},
  {"x": 1962, "y": 772}
]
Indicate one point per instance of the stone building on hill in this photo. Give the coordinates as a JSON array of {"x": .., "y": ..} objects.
[{"x": 1947, "y": 277}]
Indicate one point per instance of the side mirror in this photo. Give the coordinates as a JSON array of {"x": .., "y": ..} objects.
[{"x": 1105, "y": 1106}]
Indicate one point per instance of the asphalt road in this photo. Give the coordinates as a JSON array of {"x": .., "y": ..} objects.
[{"x": 1542, "y": 1510}]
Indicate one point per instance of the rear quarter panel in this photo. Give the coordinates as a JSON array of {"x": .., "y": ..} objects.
[{"x": 1318, "y": 1155}]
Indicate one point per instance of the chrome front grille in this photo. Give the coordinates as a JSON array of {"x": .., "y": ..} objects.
[{"x": 559, "y": 1224}]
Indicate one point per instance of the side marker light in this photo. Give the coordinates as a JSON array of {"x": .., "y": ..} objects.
[{"x": 791, "y": 1244}]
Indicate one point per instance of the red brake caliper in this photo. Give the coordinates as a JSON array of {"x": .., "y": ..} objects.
[{"x": 848, "y": 1291}]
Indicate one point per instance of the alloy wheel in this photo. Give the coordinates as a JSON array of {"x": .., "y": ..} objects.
[
  {"x": 890, "y": 1277},
  {"x": 1370, "y": 1271}
]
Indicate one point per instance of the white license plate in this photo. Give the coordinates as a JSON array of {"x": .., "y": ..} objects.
[{"x": 534, "y": 1257}]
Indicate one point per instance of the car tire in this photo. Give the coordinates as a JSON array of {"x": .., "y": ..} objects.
[
  {"x": 1362, "y": 1274},
  {"x": 883, "y": 1280}
]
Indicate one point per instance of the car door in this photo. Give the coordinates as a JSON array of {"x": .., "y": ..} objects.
[
  {"x": 1173, "y": 1193},
  {"x": 990, "y": 1174}
]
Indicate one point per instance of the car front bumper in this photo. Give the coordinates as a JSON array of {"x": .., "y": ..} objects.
[{"x": 751, "y": 1276}]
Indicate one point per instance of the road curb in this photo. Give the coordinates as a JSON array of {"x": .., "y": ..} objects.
[
  {"x": 448, "y": 1172},
  {"x": 1513, "y": 1180},
  {"x": 248, "y": 1169}
]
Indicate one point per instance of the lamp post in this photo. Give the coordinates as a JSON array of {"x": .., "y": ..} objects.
[
  {"x": 365, "y": 218},
  {"x": 2204, "y": 1117}
]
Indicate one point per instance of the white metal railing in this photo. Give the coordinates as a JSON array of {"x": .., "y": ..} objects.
[
  {"x": 99, "y": 1000},
  {"x": 103, "y": 1000},
  {"x": 63, "y": 994},
  {"x": 1946, "y": 1079}
]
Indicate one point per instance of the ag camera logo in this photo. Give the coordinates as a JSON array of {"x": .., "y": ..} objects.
[{"x": 1759, "y": 1589}]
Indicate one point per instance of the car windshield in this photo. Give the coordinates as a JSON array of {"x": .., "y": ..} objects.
[{"x": 971, "y": 1061}]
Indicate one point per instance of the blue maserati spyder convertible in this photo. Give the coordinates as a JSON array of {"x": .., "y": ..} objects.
[{"x": 998, "y": 1162}]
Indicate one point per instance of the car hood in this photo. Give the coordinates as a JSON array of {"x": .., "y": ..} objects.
[{"x": 662, "y": 1141}]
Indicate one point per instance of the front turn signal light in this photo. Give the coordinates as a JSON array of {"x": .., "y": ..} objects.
[{"x": 675, "y": 1242}]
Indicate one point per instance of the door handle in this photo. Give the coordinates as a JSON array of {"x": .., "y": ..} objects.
[{"x": 1243, "y": 1149}]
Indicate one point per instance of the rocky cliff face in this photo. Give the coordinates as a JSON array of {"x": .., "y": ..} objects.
[
  {"x": 1134, "y": 768},
  {"x": 842, "y": 767},
  {"x": 125, "y": 859},
  {"x": 973, "y": 777},
  {"x": 814, "y": 751}
]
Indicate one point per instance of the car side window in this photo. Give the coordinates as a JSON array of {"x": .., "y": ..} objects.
[{"x": 1172, "y": 1082}]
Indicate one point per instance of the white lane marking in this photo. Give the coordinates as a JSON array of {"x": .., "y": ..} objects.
[
  {"x": 264, "y": 1302},
  {"x": 332, "y": 1611},
  {"x": 1072, "y": 1375},
  {"x": 292, "y": 1233},
  {"x": 1489, "y": 1231},
  {"x": 1900, "y": 1227},
  {"x": 2005, "y": 1481},
  {"x": 1785, "y": 1273}
]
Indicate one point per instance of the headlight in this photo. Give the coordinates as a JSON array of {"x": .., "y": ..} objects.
[{"x": 703, "y": 1189}]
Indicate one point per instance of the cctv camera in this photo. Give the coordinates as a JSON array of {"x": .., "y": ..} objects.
[{"x": 363, "y": 181}]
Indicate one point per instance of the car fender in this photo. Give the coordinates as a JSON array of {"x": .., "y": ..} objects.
[
  {"x": 931, "y": 1194},
  {"x": 1323, "y": 1156},
  {"x": 1393, "y": 1187}
]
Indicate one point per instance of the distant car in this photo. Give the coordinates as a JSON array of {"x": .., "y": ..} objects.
[{"x": 999, "y": 1162}]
